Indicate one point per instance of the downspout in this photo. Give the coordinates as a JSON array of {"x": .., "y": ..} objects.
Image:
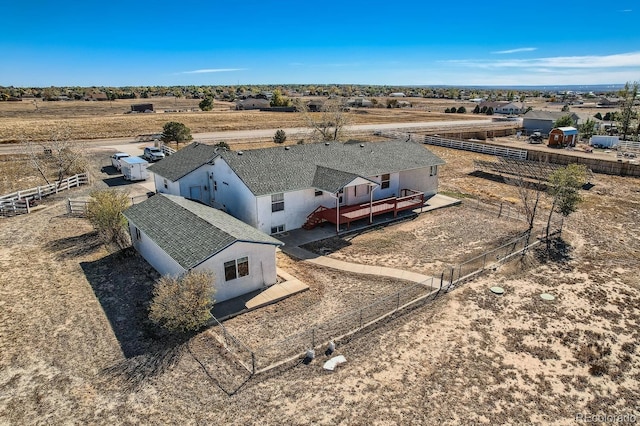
[{"x": 371, "y": 203}]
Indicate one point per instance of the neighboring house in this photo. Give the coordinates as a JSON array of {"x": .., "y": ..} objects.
[
  {"x": 563, "y": 136},
  {"x": 605, "y": 102},
  {"x": 502, "y": 107},
  {"x": 542, "y": 121},
  {"x": 397, "y": 95},
  {"x": 176, "y": 235},
  {"x": 359, "y": 102},
  {"x": 280, "y": 188},
  {"x": 253, "y": 103},
  {"x": 315, "y": 105}
]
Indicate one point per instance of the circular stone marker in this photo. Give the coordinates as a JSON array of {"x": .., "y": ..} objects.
[
  {"x": 497, "y": 290},
  {"x": 547, "y": 296}
]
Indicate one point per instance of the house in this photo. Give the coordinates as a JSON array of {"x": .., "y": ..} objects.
[
  {"x": 176, "y": 235},
  {"x": 253, "y": 103},
  {"x": 397, "y": 95},
  {"x": 543, "y": 121},
  {"x": 315, "y": 105},
  {"x": 282, "y": 188},
  {"x": 502, "y": 107},
  {"x": 563, "y": 136}
]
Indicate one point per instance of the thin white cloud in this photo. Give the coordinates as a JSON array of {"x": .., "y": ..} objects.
[
  {"x": 211, "y": 70},
  {"x": 626, "y": 10},
  {"x": 622, "y": 60},
  {"x": 518, "y": 50}
]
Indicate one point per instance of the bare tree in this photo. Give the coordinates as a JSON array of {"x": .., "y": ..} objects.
[
  {"x": 330, "y": 123},
  {"x": 59, "y": 156}
]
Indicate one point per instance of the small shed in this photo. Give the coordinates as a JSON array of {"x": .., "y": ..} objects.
[
  {"x": 563, "y": 136},
  {"x": 142, "y": 108}
]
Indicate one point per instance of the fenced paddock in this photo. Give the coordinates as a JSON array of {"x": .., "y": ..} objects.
[
  {"x": 263, "y": 357},
  {"x": 518, "y": 154},
  {"x": 20, "y": 202}
]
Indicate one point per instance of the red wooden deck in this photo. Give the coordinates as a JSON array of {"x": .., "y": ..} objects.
[{"x": 352, "y": 213}]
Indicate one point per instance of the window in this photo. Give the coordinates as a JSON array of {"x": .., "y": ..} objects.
[
  {"x": 236, "y": 268},
  {"x": 433, "y": 171},
  {"x": 215, "y": 185},
  {"x": 318, "y": 193},
  {"x": 386, "y": 181},
  {"x": 277, "y": 229},
  {"x": 277, "y": 202},
  {"x": 138, "y": 237},
  {"x": 165, "y": 184}
]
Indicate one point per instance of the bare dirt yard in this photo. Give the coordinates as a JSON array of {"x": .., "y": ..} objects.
[{"x": 75, "y": 346}]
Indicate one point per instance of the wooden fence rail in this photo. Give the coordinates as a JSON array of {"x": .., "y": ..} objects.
[
  {"x": 518, "y": 154},
  {"x": 19, "y": 202}
]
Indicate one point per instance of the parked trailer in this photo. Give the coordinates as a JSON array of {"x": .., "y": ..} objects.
[
  {"x": 603, "y": 141},
  {"x": 134, "y": 168}
]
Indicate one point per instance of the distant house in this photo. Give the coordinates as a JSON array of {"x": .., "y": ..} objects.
[
  {"x": 283, "y": 188},
  {"x": 543, "y": 121},
  {"x": 96, "y": 97},
  {"x": 359, "y": 103},
  {"x": 252, "y": 103},
  {"x": 502, "y": 107},
  {"x": 563, "y": 136},
  {"x": 315, "y": 105},
  {"x": 605, "y": 102},
  {"x": 176, "y": 235},
  {"x": 397, "y": 95}
]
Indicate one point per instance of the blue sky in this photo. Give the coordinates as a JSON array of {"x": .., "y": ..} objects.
[{"x": 208, "y": 42}]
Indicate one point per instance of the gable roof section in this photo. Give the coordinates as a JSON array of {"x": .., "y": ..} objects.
[
  {"x": 188, "y": 231},
  {"x": 331, "y": 180},
  {"x": 283, "y": 169},
  {"x": 548, "y": 115},
  {"x": 184, "y": 161}
]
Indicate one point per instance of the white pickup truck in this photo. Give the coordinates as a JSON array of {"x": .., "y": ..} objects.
[{"x": 115, "y": 159}]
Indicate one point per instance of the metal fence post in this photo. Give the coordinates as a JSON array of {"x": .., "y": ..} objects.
[
  {"x": 398, "y": 304},
  {"x": 360, "y": 318},
  {"x": 253, "y": 363},
  {"x": 313, "y": 337}
]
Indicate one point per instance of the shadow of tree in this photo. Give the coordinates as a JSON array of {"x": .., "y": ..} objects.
[
  {"x": 557, "y": 251},
  {"x": 76, "y": 246}
]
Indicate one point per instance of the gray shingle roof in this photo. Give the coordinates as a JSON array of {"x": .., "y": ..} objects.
[
  {"x": 273, "y": 170},
  {"x": 548, "y": 115},
  {"x": 331, "y": 180},
  {"x": 188, "y": 231},
  {"x": 184, "y": 161}
]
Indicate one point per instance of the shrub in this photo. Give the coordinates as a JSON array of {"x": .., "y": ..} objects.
[
  {"x": 280, "y": 136},
  {"x": 105, "y": 214},
  {"x": 183, "y": 303}
]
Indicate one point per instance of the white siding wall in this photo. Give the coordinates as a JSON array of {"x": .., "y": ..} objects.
[
  {"x": 393, "y": 189},
  {"x": 358, "y": 194},
  {"x": 173, "y": 188},
  {"x": 297, "y": 206},
  {"x": 262, "y": 269},
  {"x": 197, "y": 178},
  {"x": 233, "y": 195},
  {"x": 158, "y": 258},
  {"x": 419, "y": 180}
]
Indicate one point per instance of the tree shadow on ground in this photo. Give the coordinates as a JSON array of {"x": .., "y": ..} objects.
[
  {"x": 557, "y": 251},
  {"x": 514, "y": 180},
  {"x": 327, "y": 246},
  {"x": 76, "y": 246},
  {"x": 123, "y": 283}
]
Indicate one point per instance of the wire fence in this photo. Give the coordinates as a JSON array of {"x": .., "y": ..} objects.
[{"x": 293, "y": 347}]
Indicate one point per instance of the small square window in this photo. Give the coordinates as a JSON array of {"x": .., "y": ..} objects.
[
  {"x": 433, "y": 171},
  {"x": 318, "y": 193},
  {"x": 138, "y": 236},
  {"x": 215, "y": 185},
  {"x": 277, "y": 229}
]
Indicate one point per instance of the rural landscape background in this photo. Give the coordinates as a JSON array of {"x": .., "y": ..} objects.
[{"x": 76, "y": 347}]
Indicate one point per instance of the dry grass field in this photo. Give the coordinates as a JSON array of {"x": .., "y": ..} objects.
[
  {"x": 21, "y": 121},
  {"x": 75, "y": 347}
]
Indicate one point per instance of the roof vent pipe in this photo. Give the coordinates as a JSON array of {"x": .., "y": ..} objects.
[
  {"x": 326, "y": 143},
  {"x": 240, "y": 152},
  {"x": 286, "y": 148},
  {"x": 361, "y": 145}
]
